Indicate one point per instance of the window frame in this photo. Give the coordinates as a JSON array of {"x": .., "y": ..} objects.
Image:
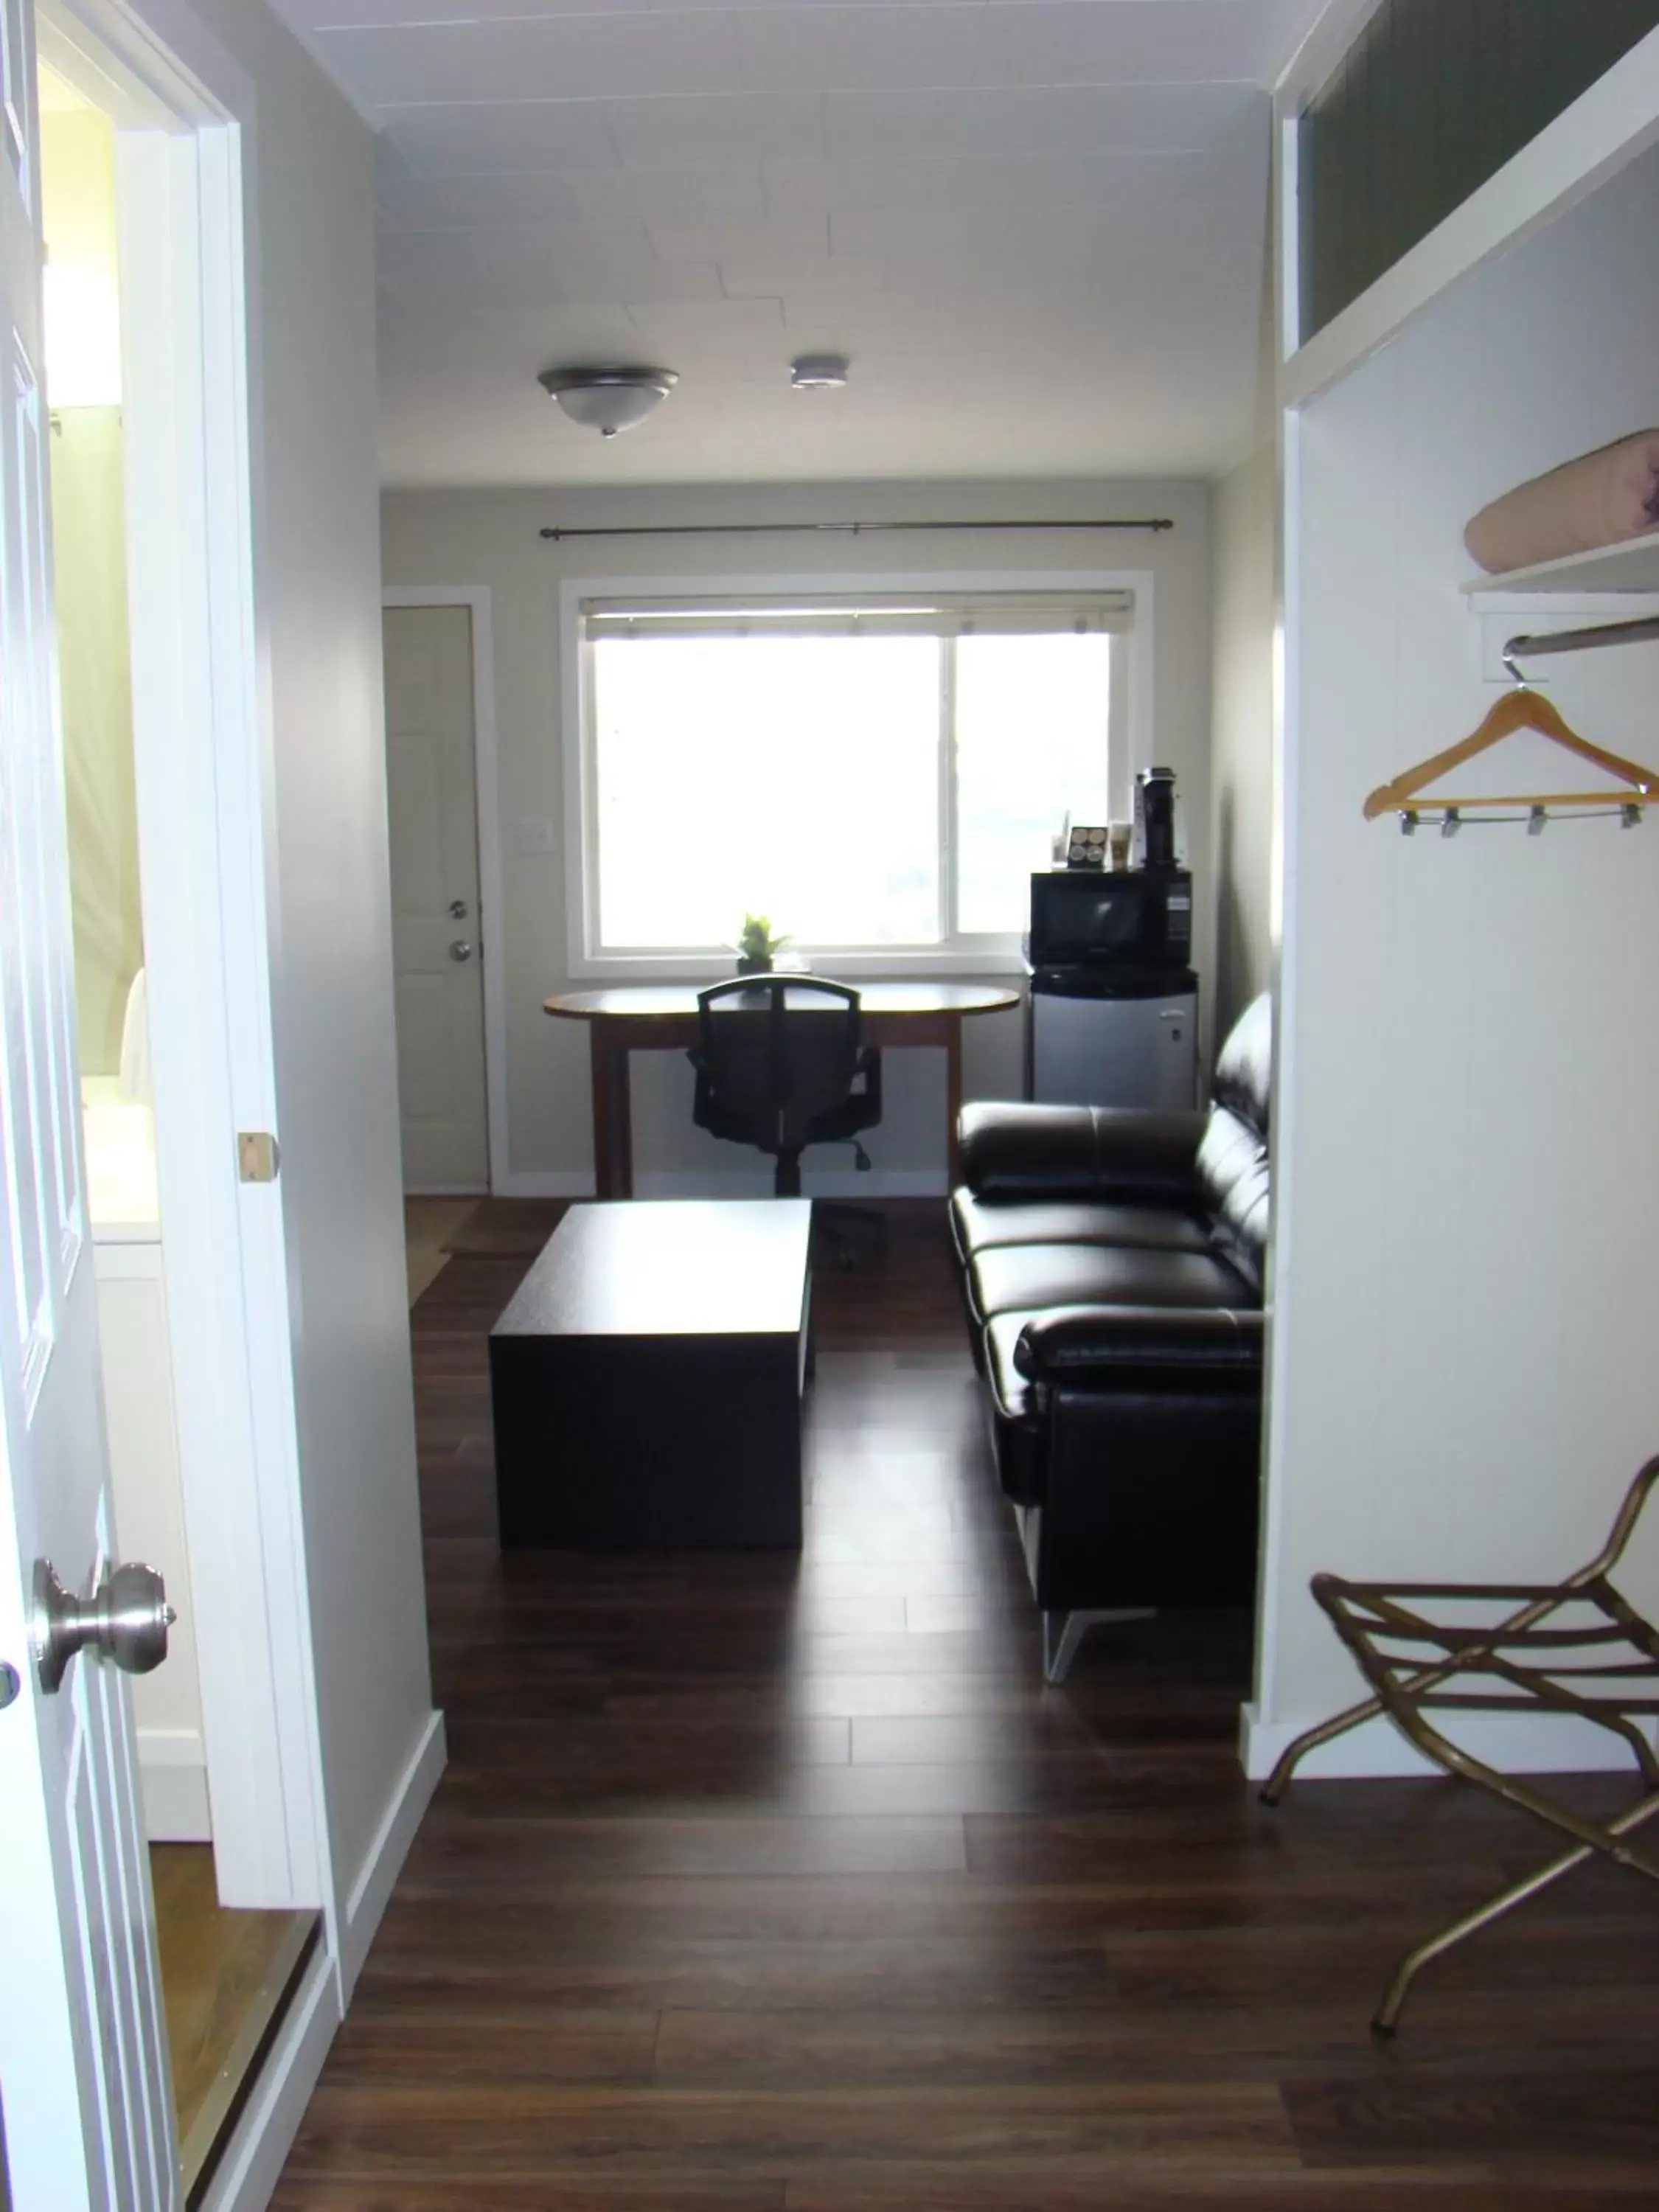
[{"x": 981, "y": 954}]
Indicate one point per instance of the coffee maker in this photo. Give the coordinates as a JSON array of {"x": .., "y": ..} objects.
[{"x": 1157, "y": 829}]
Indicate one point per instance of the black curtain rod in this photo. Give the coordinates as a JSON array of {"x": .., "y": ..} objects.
[{"x": 843, "y": 529}]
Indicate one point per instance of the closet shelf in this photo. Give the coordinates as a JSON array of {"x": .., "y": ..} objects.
[{"x": 1632, "y": 566}]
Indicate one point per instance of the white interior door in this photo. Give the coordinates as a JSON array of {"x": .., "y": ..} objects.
[
  {"x": 83, "y": 2065},
  {"x": 437, "y": 943}
]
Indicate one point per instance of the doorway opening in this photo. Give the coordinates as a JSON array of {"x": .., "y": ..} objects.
[{"x": 226, "y": 1972}]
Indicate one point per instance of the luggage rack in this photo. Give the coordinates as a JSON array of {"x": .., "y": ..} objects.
[{"x": 1541, "y": 1659}]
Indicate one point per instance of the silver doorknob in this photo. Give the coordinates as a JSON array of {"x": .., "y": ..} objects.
[
  {"x": 460, "y": 950},
  {"x": 126, "y": 1618}
]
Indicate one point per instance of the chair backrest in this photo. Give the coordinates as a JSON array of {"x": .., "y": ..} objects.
[{"x": 780, "y": 1050}]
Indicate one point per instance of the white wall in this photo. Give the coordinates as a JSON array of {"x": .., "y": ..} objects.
[
  {"x": 1463, "y": 1378},
  {"x": 491, "y": 538},
  {"x": 317, "y": 585},
  {"x": 1242, "y": 721}
]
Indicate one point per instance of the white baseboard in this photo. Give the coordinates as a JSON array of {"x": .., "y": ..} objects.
[
  {"x": 172, "y": 1779},
  {"x": 384, "y": 1860},
  {"x": 533, "y": 1182},
  {"x": 821, "y": 1182},
  {"x": 1515, "y": 1743},
  {"x": 738, "y": 1182},
  {"x": 252, "y": 2162}
]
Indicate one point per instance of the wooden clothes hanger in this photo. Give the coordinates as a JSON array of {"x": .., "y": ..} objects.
[{"x": 1523, "y": 708}]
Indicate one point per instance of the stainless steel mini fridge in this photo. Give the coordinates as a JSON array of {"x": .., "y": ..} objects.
[{"x": 1106, "y": 1038}]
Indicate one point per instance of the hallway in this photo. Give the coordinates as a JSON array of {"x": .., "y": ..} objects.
[{"x": 759, "y": 1886}]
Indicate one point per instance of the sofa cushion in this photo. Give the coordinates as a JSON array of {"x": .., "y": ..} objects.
[
  {"x": 1017, "y": 1151},
  {"x": 1029, "y": 1278},
  {"x": 1242, "y": 1220},
  {"x": 1129, "y": 1347},
  {"x": 1244, "y": 1067},
  {"x": 1013, "y": 1412},
  {"x": 978, "y": 1225},
  {"x": 1233, "y": 1170}
]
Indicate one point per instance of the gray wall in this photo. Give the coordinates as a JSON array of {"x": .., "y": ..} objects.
[
  {"x": 490, "y": 538},
  {"x": 1241, "y": 717},
  {"x": 317, "y": 585}
]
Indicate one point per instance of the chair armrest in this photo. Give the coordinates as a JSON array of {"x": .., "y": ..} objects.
[
  {"x": 1080, "y": 1344},
  {"x": 1015, "y": 1151}
]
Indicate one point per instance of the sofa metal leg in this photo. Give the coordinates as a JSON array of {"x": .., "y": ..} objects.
[{"x": 1062, "y": 1632}]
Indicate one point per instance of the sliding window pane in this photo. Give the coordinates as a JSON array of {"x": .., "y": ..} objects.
[
  {"x": 1033, "y": 717},
  {"x": 795, "y": 777}
]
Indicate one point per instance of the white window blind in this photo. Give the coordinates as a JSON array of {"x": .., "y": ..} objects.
[{"x": 1003, "y": 616}]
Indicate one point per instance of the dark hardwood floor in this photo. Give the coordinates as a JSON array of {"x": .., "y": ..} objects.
[{"x": 765, "y": 1886}]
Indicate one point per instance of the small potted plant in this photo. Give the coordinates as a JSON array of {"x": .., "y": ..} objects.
[{"x": 756, "y": 946}]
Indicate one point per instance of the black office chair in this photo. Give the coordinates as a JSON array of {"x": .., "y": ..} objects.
[{"x": 780, "y": 1066}]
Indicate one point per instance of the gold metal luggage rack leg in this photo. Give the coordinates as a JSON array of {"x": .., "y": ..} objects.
[{"x": 1588, "y": 1665}]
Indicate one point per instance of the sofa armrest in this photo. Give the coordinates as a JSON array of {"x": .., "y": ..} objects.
[
  {"x": 1114, "y": 1346},
  {"x": 1015, "y": 1151}
]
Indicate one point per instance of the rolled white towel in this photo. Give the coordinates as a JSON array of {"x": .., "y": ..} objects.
[
  {"x": 1597, "y": 500},
  {"x": 135, "y": 1042}
]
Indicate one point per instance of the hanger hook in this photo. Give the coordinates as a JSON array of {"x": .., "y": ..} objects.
[{"x": 1508, "y": 657}]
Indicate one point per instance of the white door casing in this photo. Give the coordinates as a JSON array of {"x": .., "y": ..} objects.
[
  {"x": 83, "y": 2047},
  {"x": 431, "y": 801}
]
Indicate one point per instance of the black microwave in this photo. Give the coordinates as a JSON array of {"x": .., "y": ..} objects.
[{"x": 1101, "y": 917}]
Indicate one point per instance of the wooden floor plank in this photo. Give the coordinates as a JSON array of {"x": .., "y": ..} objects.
[
  {"x": 660, "y": 2133},
  {"x": 917, "y": 2188},
  {"x": 224, "y": 1976},
  {"x": 566, "y": 2193},
  {"x": 767, "y": 1885}
]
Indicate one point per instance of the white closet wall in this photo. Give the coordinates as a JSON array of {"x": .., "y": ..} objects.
[{"x": 1468, "y": 1142}]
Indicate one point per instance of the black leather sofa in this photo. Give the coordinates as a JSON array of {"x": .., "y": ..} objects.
[{"x": 1111, "y": 1262}]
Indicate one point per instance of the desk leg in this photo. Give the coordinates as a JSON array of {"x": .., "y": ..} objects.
[
  {"x": 952, "y": 1105},
  {"x": 613, "y": 1131}
]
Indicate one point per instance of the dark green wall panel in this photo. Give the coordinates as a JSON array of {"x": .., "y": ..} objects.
[{"x": 1432, "y": 99}]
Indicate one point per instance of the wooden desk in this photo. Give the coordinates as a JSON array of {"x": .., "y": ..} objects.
[{"x": 663, "y": 1017}]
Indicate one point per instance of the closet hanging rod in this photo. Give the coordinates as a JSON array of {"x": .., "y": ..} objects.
[
  {"x": 1644, "y": 630},
  {"x": 843, "y": 529}
]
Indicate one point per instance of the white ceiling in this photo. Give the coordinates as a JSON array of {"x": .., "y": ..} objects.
[{"x": 1038, "y": 228}]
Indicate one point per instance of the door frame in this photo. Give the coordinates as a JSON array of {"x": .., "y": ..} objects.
[
  {"x": 477, "y": 598},
  {"x": 185, "y": 111}
]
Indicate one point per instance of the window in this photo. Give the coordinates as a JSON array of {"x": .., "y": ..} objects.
[{"x": 876, "y": 776}]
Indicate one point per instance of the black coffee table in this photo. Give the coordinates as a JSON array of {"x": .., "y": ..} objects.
[{"x": 646, "y": 1378}]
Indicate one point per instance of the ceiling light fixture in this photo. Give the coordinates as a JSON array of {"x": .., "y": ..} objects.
[
  {"x": 608, "y": 399},
  {"x": 818, "y": 371}
]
